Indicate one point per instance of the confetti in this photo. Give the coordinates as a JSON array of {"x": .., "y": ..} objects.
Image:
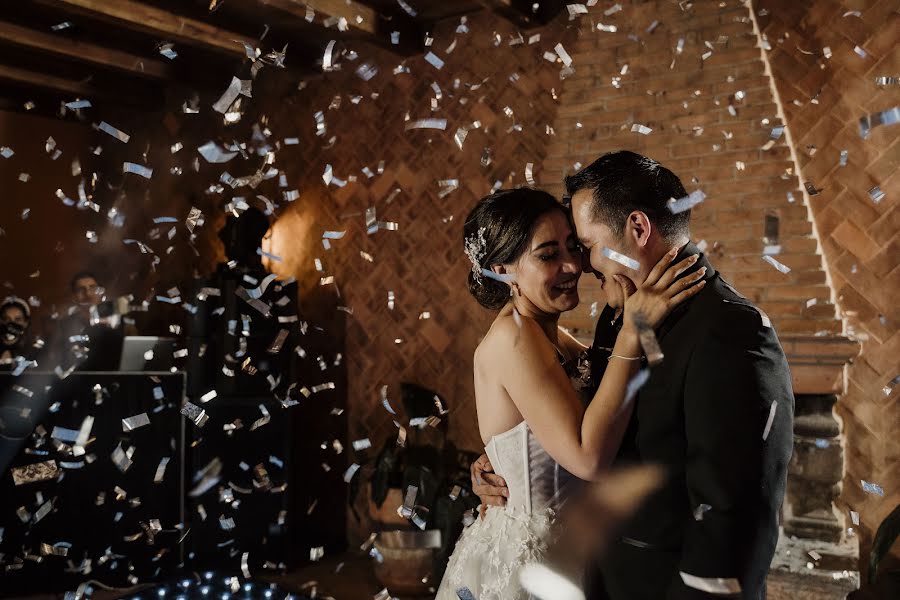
[
  {"x": 434, "y": 61},
  {"x": 700, "y": 511},
  {"x": 649, "y": 343},
  {"x": 854, "y": 517},
  {"x": 350, "y": 472},
  {"x": 119, "y": 135},
  {"x": 711, "y": 585},
  {"x": 889, "y": 388},
  {"x": 196, "y": 414},
  {"x": 77, "y": 104},
  {"x": 529, "y": 173},
  {"x": 465, "y": 593},
  {"x": 843, "y": 160},
  {"x": 563, "y": 55},
  {"x": 35, "y": 472},
  {"x": 869, "y": 122},
  {"x": 121, "y": 458},
  {"x": 427, "y": 124},
  {"x": 213, "y": 153},
  {"x": 885, "y": 80},
  {"x": 686, "y": 203},
  {"x": 623, "y": 260},
  {"x": 876, "y": 194},
  {"x": 228, "y": 96},
  {"x": 132, "y": 423},
  {"x": 161, "y": 469},
  {"x": 781, "y": 267},
  {"x": 129, "y": 167},
  {"x": 642, "y": 129},
  {"x": 770, "y": 420},
  {"x": 860, "y": 52},
  {"x": 634, "y": 386},
  {"x": 871, "y": 488},
  {"x": 406, "y": 7}
]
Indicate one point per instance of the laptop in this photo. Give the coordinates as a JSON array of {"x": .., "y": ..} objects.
[{"x": 147, "y": 353}]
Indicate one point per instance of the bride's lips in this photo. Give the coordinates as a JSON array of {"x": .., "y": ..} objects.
[{"x": 567, "y": 287}]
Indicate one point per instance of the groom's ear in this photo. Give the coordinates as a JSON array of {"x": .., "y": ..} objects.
[{"x": 638, "y": 227}]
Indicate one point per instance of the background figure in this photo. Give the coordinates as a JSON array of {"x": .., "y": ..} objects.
[
  {"x": 90, "y": 337},
  {"x": 15, "y": 317}
]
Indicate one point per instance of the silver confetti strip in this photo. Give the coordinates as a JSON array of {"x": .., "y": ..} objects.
[
  {"x": 132, "y": 423},
  {"x": 563, "y": 55},
  {"x": 642, "y": 129},
  {"x": 121, "y": 458},
  {"x": 145, "y": 172},
  {"x": 869, "y": 122},
  {"x": 196, "y": 414},
  {"x": 876, "y": 194},
  {"x": 434, "y": 61},
  {"x": 116, "y": 133},
  {"x": 350, "y": 472},
  {"x": 780, "y": 266},
  {"x": 228, "y": 96},
  {"x": 700, "y": 511},
  {"x": 161, "y": 469},
  {"x": 427, "y": 124},
  {"x": 686, "y": 203},
  {"x": 623, "y": 260},
  {"x": 649, "y": 343},
  {"x": 889, "y": 388},
  {"x": 871, "y": 488},
  {"x": 770, "y": 420},
  {"x": 711, "y": 585}
]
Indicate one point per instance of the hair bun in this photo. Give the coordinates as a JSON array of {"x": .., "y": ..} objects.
[{"x": 490, "y": 293}]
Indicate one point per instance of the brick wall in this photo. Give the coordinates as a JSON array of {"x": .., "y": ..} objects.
[
  {"x": 823, "y": 100},
  {"x": 684, "y": 97},
  {"x": 686, "y": 104},
  {"x": 422, "y": 261}
]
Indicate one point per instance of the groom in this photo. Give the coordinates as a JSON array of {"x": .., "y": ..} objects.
[{"x": 717, "y": 412}]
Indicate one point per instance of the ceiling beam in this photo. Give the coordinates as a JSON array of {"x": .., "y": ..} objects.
[
  {"x": 521, "y": 12},
  {"x": 47, "y": 82},
  {"x": 83, "y": 52},
  {"x": 361, "y": 19},
  {"x": 137, "y": 16}
]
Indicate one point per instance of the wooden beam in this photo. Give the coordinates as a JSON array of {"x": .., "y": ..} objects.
[
  {"x": 154, "y": 21},
  {"x": 374, "y": 27},
  {"x": 521, "y": 12},
  {"x": 83, "y": 52},
  {"x": 47, "y": 82},
  {"x": 332, "y": 8}
]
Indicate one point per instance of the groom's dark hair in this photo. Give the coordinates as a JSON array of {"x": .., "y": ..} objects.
[{"x": 623, "y": 182}]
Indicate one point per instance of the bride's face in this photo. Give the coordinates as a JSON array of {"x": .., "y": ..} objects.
[{"x": 547, "y": 274}]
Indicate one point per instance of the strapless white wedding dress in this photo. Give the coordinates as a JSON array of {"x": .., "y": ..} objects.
[{"x": 491, "y": 551}]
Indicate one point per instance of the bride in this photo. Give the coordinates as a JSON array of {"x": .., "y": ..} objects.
[{"x": 538, "y": 434}]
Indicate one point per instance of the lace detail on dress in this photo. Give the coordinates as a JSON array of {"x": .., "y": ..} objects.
[{"x": 491, "y": 551}]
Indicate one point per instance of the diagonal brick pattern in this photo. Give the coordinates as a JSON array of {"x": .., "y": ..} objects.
[
  {"x": 823, "y": 98},
  {"x": 483, "y": 79}
]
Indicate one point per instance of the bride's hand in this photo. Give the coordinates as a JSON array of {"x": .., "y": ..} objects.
[{"x": 662, "y": 290}]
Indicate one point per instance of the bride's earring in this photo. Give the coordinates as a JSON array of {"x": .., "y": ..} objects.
[{"x": 515, "y": 287}]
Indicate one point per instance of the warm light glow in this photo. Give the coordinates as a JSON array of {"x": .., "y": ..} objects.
[{"x": 289, "y": 238}]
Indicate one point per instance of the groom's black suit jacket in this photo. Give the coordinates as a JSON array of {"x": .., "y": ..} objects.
[{"x": 702, "y": 414}]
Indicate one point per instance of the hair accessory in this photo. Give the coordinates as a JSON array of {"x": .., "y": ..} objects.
[{"x": 475, "y": 245}]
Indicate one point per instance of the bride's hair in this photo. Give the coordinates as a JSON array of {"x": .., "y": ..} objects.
[{"x": 497, "y": 232}]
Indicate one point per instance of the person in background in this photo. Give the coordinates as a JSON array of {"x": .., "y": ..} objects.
[
  {"x": 90, "y": 336},
  {"x": 15, "y": 317}
]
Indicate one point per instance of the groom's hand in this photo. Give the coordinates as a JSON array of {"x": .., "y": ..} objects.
[{"x": 490, "y": 488}]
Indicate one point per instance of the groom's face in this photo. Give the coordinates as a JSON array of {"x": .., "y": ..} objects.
[{"x": 594, "y": 236}]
